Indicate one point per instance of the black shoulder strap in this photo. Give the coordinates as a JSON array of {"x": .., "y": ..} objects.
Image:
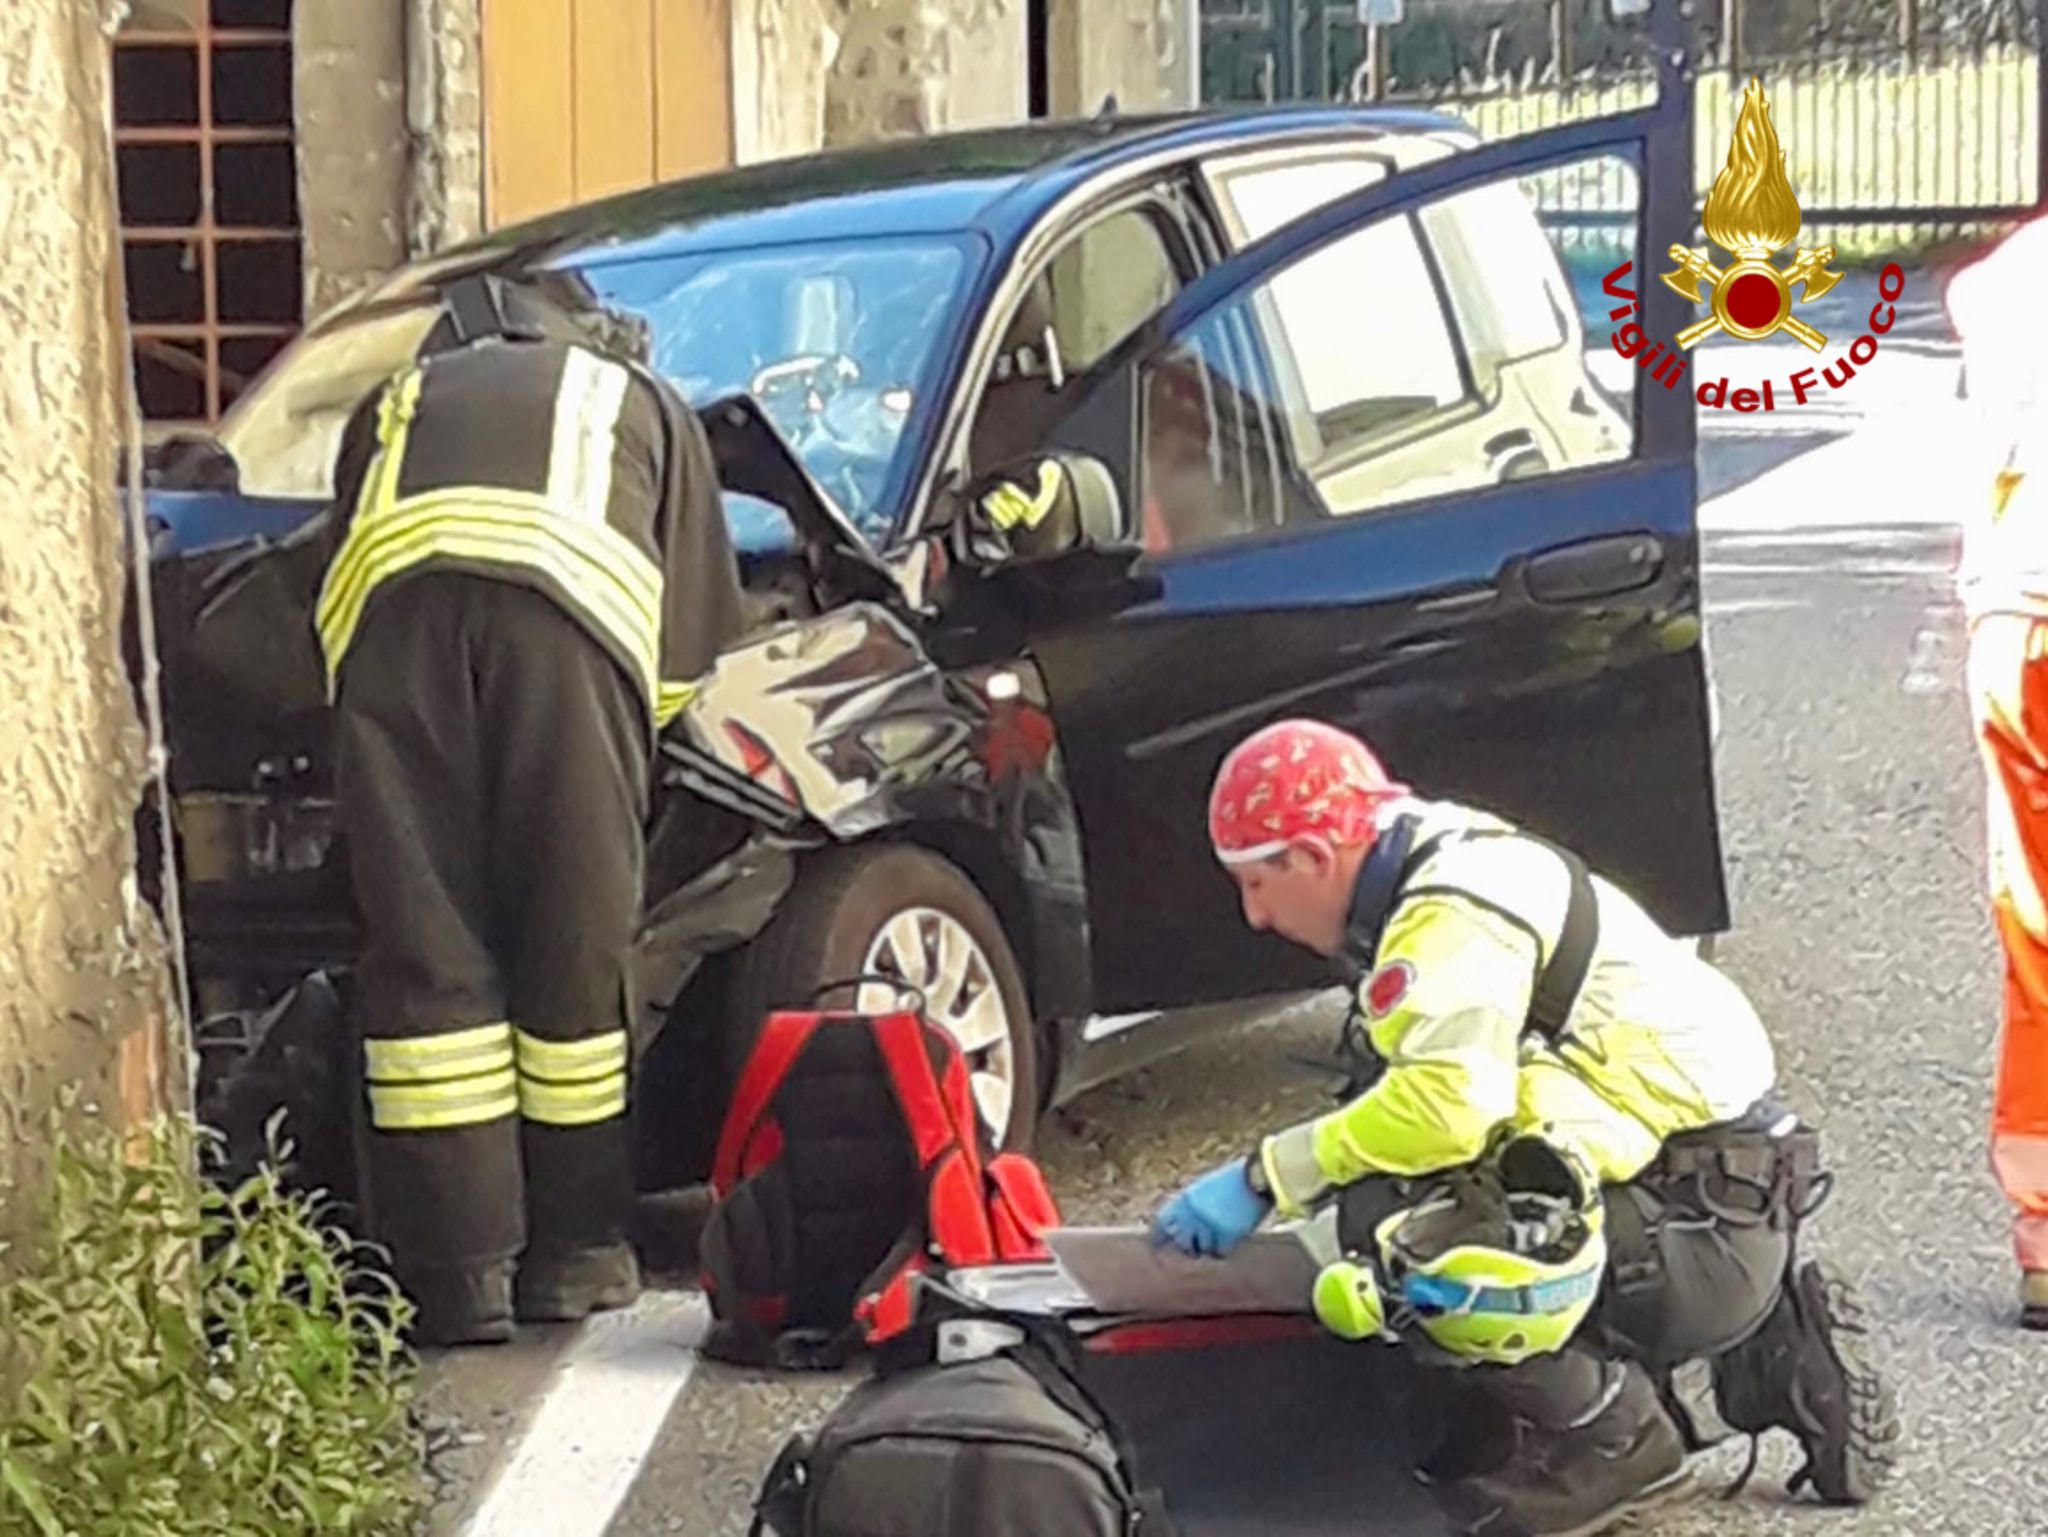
[
  {"x": 1558, "y": 984},
  {"x": 1047, "y": 1359}
]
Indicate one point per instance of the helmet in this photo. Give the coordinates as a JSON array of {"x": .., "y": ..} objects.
[
  {"x": 1498, "y": 1265},
  {"x": 1292, "y": 779}
]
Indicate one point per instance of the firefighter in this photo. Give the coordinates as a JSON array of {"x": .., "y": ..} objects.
[
  {"x": 530, "y": 564},
  {"x": 1552, "y": 1100},
  {"x": 2003, "y": 584}
]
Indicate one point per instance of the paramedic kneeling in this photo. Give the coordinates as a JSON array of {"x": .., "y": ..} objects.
[{"x": 1559, "y": 1161}]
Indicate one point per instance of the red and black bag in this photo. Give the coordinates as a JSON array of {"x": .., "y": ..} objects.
[{"x": 851, "y": 1159}]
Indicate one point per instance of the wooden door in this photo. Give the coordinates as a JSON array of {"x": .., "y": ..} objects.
[{"x": 585, "y": 98}]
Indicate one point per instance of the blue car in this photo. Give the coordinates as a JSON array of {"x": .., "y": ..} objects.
[{"x": 1329, "y": 373}]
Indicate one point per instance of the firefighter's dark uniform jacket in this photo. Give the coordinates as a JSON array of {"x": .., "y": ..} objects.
[
  {"x": 553, "y": 467},
  {"x": 530, "y": 569}
]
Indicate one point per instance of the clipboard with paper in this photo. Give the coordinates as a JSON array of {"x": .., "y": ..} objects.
[{"x": 1121, "y": 1270}]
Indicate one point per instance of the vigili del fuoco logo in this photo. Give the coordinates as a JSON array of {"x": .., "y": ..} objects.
[{"x": 1752, "y": 215}]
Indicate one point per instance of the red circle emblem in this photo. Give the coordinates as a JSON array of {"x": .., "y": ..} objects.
[
  {"x": 1753, "y": 301},
  {"x": 1389, "y": 985}
]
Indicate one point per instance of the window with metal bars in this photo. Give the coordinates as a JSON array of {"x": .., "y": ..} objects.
[{"x": 209, "y": 203}]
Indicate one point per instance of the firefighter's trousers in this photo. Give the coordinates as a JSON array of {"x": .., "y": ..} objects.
[
  {"x": 2009, "y": 694},
  {"x": 492, "y": 768}
]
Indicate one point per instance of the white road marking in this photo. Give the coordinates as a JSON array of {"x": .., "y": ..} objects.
[
  {"x": 1102, "y": 1026},
  {"x": 595, "y": 1421}
]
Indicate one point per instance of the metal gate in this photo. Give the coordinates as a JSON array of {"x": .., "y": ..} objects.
[{"x": 1905, "y": 122}]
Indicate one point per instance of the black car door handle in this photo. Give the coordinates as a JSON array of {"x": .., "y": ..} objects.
[{"x": 1595, "y": 569}]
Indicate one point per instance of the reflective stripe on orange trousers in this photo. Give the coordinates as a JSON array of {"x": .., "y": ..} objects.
[{"x": 2009, "y": 696}]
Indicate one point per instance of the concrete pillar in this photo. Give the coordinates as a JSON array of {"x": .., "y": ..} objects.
[
  {"x": 348, "y": 68},
  {"x": 811, "y": 74},
  {"x": 445, "y": 119},
  {"x": 1144, "y": 52}
]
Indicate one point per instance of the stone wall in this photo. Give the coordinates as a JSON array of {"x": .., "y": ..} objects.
[
  {"x": 1140, "y": 51},
  {"x": 811, "y": 74},
  {"x": 389, "y": 107}
]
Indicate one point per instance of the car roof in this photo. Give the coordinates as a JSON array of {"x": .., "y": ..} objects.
[{"x": 999, "y": 181}]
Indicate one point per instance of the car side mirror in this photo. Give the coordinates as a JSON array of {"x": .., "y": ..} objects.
[
  {"x": 1038, "y": 508},
  {"x": 1042, "y": 539}
]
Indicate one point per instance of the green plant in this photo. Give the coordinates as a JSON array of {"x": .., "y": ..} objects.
[{"x": 185, "y": 1360}]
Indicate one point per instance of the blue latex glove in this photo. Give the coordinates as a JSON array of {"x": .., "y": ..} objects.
[{"x": 1213, "y": 1215}]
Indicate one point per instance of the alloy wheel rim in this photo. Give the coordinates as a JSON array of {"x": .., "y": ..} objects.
[{"x": 933, "y": 952}]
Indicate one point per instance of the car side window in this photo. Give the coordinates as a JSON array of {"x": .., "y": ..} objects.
[
  {"x": 1367, "y": 343},
  {"x": 1450, "y": 346},
  {"x": 1106, "y": 282},
  {"x": 1099, "y": 287}
]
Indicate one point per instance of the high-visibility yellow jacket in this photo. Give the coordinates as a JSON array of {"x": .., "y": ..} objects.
[
  {"x": 1658, "y": 1042},
  {"x": 546, "y": 463}
]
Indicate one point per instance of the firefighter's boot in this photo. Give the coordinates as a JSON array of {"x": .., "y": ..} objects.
[
  {"x": 2034, "y": 1299},
  {"x": 1624, "y": 1458},
  {"x": 461, "y": 1306},
  {"x": 1808, "y": 1370},
  {"x": 565, "y": 1287}
]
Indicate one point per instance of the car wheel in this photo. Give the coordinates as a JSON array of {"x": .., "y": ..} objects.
[{"x": 903, "y": 912}]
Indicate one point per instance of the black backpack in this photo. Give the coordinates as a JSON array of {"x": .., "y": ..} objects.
[{"x": 1007, "y": 1444}]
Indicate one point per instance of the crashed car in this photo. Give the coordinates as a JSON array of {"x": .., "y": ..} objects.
[{"x": 1324, "y": 371}]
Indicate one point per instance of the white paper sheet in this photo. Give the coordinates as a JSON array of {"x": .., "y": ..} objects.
[{"x": 1121, "y": 1271}]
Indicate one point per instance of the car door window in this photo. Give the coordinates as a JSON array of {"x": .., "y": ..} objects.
[
  {"x": 1106, "y": 282},
  {"x": 1364, "y": 342},
  {"x": 1260, "y": 197},
  {"x": 1438, "y": 349},
  {"x": 1210, "y": 466}
]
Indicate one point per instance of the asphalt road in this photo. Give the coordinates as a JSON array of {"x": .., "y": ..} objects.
[{"x": 1853, "y": 830}]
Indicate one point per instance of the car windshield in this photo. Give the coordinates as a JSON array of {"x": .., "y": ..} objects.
[{"x": 840, "y": 341}]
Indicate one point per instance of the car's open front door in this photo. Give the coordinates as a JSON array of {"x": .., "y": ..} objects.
[{"x": 1390, "y": 472}]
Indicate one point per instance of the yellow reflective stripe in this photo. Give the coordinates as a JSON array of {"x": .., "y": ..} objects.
[
  {"x": 671, "y": 699},
  {"x": 573, "y": 1104},
  {"x": 449, "y": 1054},
  {"x": 395, "y": 411},
  {"x": 437, "y": 1106},
  {"x": 564, "y": 1061},
  {"x": 587, "y": 404},
  {"x": 613, "y": 577},
  {"x": 618, "y": 587}
]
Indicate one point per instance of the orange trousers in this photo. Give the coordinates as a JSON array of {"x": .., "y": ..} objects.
[{"x": 2009, "y": 693}]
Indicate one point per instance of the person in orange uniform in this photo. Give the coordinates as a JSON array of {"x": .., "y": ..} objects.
[{"x": 2003, "y": 584}]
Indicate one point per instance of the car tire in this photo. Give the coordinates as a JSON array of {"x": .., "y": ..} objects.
[{"x": 847, "y": 905}]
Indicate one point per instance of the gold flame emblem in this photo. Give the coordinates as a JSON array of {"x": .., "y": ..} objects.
[{"x": 1751, "y": 214}]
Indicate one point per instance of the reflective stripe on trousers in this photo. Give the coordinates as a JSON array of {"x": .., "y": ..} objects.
[
  {"x": 482, "y": 1073},
  {"x": 572, "y": 1083},
  {"x": 438, "y": 1082}
]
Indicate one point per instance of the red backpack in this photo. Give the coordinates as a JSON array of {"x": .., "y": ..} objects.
[{"x": 851, "y": 1159}]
